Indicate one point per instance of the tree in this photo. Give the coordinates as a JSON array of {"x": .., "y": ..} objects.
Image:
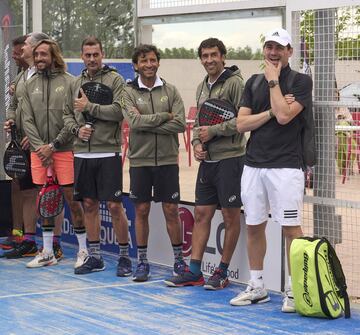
[
  {"x": 232, "y": 53},
  {"x": 69, "y": 22},
  {"x": 346, "y": 47}
]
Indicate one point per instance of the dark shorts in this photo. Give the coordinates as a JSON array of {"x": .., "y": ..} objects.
[
  {"x": 26, "y": 182},
  {"x": 157, "y": 183},
  {"x": 98, "y": 178},
  {"x": 219, "y": 183}
]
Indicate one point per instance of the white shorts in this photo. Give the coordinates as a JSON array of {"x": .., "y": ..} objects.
[{"x": 281, "y": 190}]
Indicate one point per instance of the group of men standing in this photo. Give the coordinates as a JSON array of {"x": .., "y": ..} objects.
[{"x": 262, "y": 173}]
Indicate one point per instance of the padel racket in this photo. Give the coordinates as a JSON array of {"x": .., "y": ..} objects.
[
  {"x": 215, "y": 111},
  {"x": 50, "y": 200},
  {"x": 16, "y": 163},
  {"x": 97, "y": 93}
]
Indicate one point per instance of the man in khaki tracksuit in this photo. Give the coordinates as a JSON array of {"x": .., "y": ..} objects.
[
  {"x": 155, "y": 113},
  {"x": 98, "y": 164},
  {"x": 219, "y": 175},
  {"x": 50, "y": 143}
]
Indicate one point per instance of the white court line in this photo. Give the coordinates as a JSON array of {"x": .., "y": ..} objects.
[{"x": 78, "y": 289}]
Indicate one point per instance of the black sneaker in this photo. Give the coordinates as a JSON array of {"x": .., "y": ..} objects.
[
  {"x": 186, "y": 278},
  {"x": 179, "y": 267},
  {"x": 142, "y": 272},
  {"x": 91, "y": 264},
  {"x": 26, "y": 248},
  {"x": 217, "y": 280},
  {"x": 124, "y": 268}
]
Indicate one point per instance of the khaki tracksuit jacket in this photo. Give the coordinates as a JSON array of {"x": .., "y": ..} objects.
[
  {"x": 229, "y": 86},
  {"x": 153, "y": 131},
  {"x": 42, "y": 109},
  {"x": 106, "y": 137}
]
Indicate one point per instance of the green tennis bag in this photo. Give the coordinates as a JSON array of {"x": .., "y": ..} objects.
[{"x": 318, "y": 281}]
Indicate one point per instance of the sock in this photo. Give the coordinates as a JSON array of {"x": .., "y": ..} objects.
[
  {"x": 195, "y": 266},
  {"x": 290, "y": 283},
  {"x": 57, "y": 239},
  {"x": 177, "y": 249},
  {"x": 30, "y": 237},
  {"x": 124, "y": 250},
  {"x": 80, "y": 233},
  {"x": 142, "y": 254},
  {"x": 17, "y": 232},
  {"x": 256, "y": 277},
  {"x": 223, "y": 267},
  {"x": 94, "y": 249},
  {"x": 48, "y": 240}
]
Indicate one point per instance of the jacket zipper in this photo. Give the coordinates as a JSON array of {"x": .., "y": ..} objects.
[
  {"x": 47, "y": 107},
  {"x": 152, "y": 107}
]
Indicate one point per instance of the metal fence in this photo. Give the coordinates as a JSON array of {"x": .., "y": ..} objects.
[{"x": 328, "y": 42}]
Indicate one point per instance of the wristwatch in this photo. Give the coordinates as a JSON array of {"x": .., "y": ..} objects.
[
  {"x": 54, "y": 145},
  {"x": 273, "y": 83},
  {"x": 75, "y": 131}
]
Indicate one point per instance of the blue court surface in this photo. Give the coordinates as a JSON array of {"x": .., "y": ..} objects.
[{"x": 54, "y": 301}]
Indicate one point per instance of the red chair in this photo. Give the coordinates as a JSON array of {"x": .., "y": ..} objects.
[
  {"x": 356, "y": 122},
  {"x": 125, "y": 130},
  {"x": 190, "y": 120}
]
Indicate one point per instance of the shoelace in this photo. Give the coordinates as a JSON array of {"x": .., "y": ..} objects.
[
  {"x": 217, "y": 274},
  {"x": 141, "y": 267},
  {"x": 180, "y": 267}
]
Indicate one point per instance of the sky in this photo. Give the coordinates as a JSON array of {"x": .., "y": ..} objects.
[{"x": 234, "y": 33}]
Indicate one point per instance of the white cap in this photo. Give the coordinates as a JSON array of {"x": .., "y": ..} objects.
[{"x": 278, "y": 35}]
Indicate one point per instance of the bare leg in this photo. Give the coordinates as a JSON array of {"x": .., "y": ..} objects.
[
  {"x": 142, "y": 211},
  {"x": 256, "y": 245},
  {"x": 92, "y": 219},
  {"x": 173, "y": 225},
  {"x": 17, "y": 205},
  {"x": 29, "y": 210},
  {"x": 290, "y": 233},
  {"x": 232, "y": 232},
  {"x": 201, "y": 230},
  {"x": 76, "y": 210},
  {"x": 119, "y": 221}
]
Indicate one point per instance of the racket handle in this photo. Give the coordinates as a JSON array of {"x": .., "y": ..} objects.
[
  {"x": 88, "y": 125},
  {"x": 49, "y": 171},
  {"x": 13, "y": 131}
]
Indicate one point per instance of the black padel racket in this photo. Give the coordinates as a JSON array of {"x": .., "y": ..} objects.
[
  {"x": 16, "y": 163},
  {"x": 97, "y": 93},
  {"x": 215, "y": 111},
  {"x": 50, "y": 200}
]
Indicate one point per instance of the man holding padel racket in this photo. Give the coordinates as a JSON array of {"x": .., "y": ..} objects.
[
  {"x": 16, "y": 236},
  {"x": 155, "y": 113},
  {"x": 26, "y": 200},
  {"x": 273, "y": 177},
  {"x": 50, "y": 143},
  {"x": 93, "y": 114},
  {"x": 220, "y": 149}
]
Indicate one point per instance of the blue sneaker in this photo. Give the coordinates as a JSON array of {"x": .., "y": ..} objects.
[
  {"x": 179, "y": 267},
  {"x": 142, "y": 272},
  {"x": 187, "y": 278},
  {"x": 91, "y": 264},
  {"x": 124, "y": 268}
]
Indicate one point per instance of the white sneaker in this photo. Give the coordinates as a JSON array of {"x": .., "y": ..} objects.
[
  {"x": 81, "y": 256},
  {"x": 252, "y": 295},
  {"x": 42, "y": 259},
  {"x": 288, "y": 303}
]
